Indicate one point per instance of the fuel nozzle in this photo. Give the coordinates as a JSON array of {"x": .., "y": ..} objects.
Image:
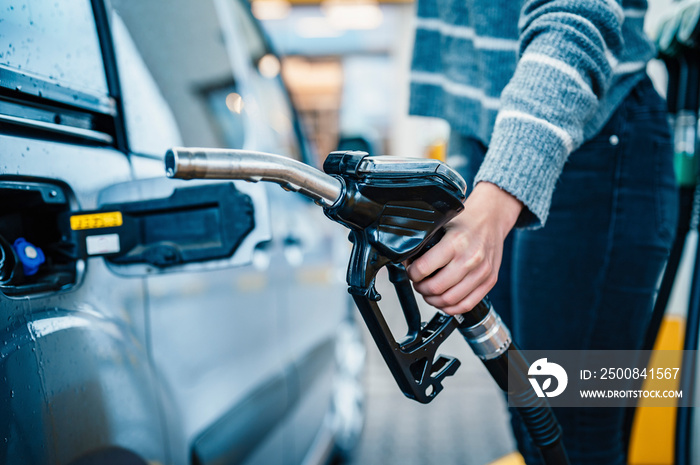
[
  {"x": 396, "y": 209},
  {"x": 677, "y": 41}
]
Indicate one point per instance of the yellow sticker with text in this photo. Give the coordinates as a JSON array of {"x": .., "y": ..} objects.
[{"x": 96, "y": 221}]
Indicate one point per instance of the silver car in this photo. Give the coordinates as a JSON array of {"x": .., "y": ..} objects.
[{"x": 148, "y": 320}]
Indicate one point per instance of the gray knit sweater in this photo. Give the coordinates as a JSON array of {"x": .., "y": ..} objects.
[{"x": 531, "y": 79}]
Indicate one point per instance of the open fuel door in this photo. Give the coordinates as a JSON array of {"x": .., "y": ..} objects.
[{"x": 157, "y": 225}]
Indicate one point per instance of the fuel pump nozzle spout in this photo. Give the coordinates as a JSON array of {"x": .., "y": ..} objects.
[{"x": 196, "y": 163}]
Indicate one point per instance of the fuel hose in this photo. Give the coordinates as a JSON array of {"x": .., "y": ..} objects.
[{"x": 491, "y": 341}]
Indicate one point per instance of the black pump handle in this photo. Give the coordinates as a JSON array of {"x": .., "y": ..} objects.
[{"x": 411, "y": 360}]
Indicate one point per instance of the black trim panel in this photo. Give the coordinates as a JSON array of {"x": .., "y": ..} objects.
[
  {"x": 16, "y": 83},
  {"x": 89, "y": 134},
  {"x": 101, "y": 12}
]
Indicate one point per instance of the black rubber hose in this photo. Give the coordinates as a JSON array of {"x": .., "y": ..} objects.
[
  {"x": 682, "y": 228},
  {"x": 684, "y": 414},
  {"x": 657, "y": 316},
  {"x": 673, "y": 68},
  {"x": 509, "y": 370},
  {"x": 554, "y": 454}
]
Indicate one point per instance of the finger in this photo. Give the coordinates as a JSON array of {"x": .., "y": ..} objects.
[
  {"x": 437, "y": 257},
  {"x": 455, "y": 294},
  {"x": 469, "y": 302},
  {"x": 447, "y": 277}
]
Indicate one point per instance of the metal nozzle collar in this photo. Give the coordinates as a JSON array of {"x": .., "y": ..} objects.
[{"x": 489, "y": 338}]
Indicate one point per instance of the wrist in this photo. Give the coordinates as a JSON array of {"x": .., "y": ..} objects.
[{"x": 490, "y": 205}]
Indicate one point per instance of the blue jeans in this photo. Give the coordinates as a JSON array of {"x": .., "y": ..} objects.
[{"x": 588, "y": 279}]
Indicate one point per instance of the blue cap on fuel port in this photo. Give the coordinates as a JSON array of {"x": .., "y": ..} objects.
[{"x": 30, "y": 256}]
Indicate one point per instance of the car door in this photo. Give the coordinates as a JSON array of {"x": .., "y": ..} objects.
[
  {"x": 316, "y": 253},
  {"x": 215, "y": 329},
  {"x": 160, "y": 326},
  {"x": 153, "y": 317},
  {"x": 233, "y": 364}
]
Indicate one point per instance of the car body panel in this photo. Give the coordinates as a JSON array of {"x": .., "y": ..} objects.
[
  {"x": 81, "y": 349},
  {"x": 186, "y": 363}
]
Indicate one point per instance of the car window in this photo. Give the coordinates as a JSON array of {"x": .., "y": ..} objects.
[
  {"x": 183, "y": 59},
  {"x": 271, "y": 98},
  {"x": 150, "y": 124},
  {"x": 28, "y": 44},
  {"x": 253, "y": 40},
  {"x": 178, "y": 80}
]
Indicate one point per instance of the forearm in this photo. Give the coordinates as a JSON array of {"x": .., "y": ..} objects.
[{"x": 567, "y": 57}]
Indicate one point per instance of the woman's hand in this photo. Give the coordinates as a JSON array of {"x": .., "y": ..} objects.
[{"x": 463, "y": 267}]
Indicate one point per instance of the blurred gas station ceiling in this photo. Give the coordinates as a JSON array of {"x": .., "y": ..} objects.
[
  {"x": 345, "y": 27},
  {"x": 346, "y": 65}
]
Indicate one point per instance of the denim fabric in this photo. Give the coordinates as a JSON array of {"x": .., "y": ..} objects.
[{"x": 588, "y": 279}]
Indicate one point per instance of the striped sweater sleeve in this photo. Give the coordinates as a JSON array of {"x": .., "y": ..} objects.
[{"x": 567, "y": 56}]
